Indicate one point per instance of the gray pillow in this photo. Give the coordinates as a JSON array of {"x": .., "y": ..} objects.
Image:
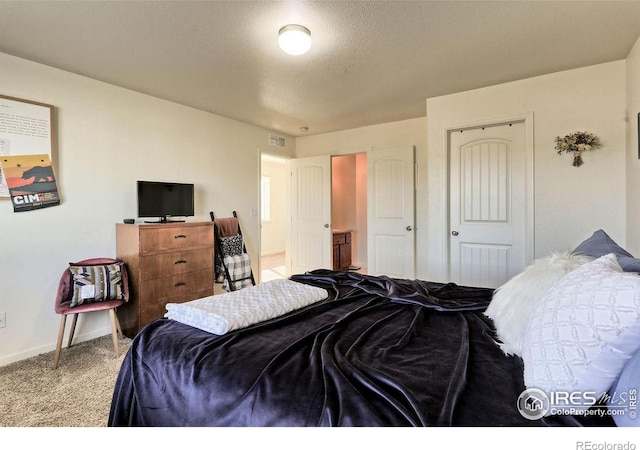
[
  {"x": 629, "y": 263},
  {"x": 600, "y": 244}
]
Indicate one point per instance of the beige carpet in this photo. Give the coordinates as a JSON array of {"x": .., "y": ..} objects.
[{"x": 76, "y": 394}]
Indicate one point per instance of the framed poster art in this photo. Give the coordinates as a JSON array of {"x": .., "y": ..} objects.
[
  {"x": 31, "y": 182},
  {"x": 26, "y": 128}
]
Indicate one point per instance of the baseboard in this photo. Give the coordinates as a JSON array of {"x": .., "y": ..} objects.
[
  {"x": 15, "y": 357},
  {"x": 272, "y": 253}
]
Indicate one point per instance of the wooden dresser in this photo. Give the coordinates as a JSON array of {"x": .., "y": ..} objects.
[
  {"x": 341, "y": 250},
  {"x": 166, "y": 263}
]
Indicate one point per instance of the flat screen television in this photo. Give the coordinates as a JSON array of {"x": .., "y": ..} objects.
[{"x": 164, "y": 200}]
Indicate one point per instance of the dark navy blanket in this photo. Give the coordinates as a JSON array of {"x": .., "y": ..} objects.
[{"x": 377, "y": 352}]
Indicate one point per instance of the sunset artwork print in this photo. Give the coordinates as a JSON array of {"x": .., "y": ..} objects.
[{"x": 31, "y": 182}]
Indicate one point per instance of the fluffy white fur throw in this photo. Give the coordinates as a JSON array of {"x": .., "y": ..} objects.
[{"x": 513, "y": 302}]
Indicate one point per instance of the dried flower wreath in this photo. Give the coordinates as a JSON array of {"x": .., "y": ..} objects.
[{"x": 577, "y": 143}]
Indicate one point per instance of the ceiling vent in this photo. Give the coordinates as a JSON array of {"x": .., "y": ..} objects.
[{"x": 276, "y": 141}]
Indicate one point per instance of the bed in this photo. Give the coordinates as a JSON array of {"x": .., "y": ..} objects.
[{"x": 376, "y": 352}]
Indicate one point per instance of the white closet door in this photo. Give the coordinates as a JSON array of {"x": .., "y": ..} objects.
[{"x": 487, "y": 205}]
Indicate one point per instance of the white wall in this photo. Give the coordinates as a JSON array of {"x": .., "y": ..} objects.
[
  {"x": 109, "y": 137},
  {"x": 633, "y": 161},
  {"x": 387, "y": 135},
  {"x": 570, "y": 203},
  {"x": 274, "y": 231}
]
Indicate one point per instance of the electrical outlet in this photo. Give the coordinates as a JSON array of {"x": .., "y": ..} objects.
[{"x": 3, "y": 319}]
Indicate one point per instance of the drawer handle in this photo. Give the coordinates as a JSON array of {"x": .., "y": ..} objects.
[
  {"x": 180, "y": 236},
  {"x": 181, "y": 283},
  {"x": 182, "y": 261}
]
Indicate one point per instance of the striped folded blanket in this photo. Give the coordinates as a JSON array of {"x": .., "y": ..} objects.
[{"x": 219, "y": 314}]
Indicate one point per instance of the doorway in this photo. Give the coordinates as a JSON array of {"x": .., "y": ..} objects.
[
  {"x": 349, "y": 212},
  {"x": 390, "y": 212},
  {"x": 274, "y": 213},
  {"x": 329, "y": 213}
]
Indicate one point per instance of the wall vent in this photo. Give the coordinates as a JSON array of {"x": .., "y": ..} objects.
[{"x": 276, "y": 141}]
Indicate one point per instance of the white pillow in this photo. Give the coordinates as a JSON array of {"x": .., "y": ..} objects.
[
  {"x": 513, "y": 302},
  {"x": 584, "y": 330}
]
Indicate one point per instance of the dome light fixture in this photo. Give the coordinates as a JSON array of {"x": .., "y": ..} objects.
[{"x": 294, "y": 39}]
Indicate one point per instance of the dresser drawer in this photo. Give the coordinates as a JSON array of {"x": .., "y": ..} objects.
[
  {"x": 174, "y": 263},
  {"x": 339, "y": 238},
  {"x": 176, "y": 285},
  {"x": 157, "y": 308},
  {"x": 157, "y": 239}
]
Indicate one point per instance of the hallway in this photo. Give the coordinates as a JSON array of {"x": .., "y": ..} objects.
[{"x": 273, "y": 267}]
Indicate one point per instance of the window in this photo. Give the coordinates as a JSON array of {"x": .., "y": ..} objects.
[{"x": 265, "y": 199}]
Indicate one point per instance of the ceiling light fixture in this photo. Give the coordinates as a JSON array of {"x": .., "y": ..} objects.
[{"x": 294, "y": 39}]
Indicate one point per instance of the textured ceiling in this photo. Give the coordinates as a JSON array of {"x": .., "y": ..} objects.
[{"x": 371, "y": 61}]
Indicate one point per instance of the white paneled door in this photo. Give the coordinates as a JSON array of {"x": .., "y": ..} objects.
[
  {"x": 311, "y": 242},
  {"x": 488, "y": 201},
  {"x": 391, "y": 212}
]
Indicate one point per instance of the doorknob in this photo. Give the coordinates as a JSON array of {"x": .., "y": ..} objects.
[
  {"x": 454, "y": 233},
  {"x": 326, "y": 225},
  {"x": 409, "y": 228}
]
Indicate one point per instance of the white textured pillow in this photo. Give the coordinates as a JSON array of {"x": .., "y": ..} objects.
[
  {"x": 513, "y": 302},
  {"x": 584, "y": 330}
]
